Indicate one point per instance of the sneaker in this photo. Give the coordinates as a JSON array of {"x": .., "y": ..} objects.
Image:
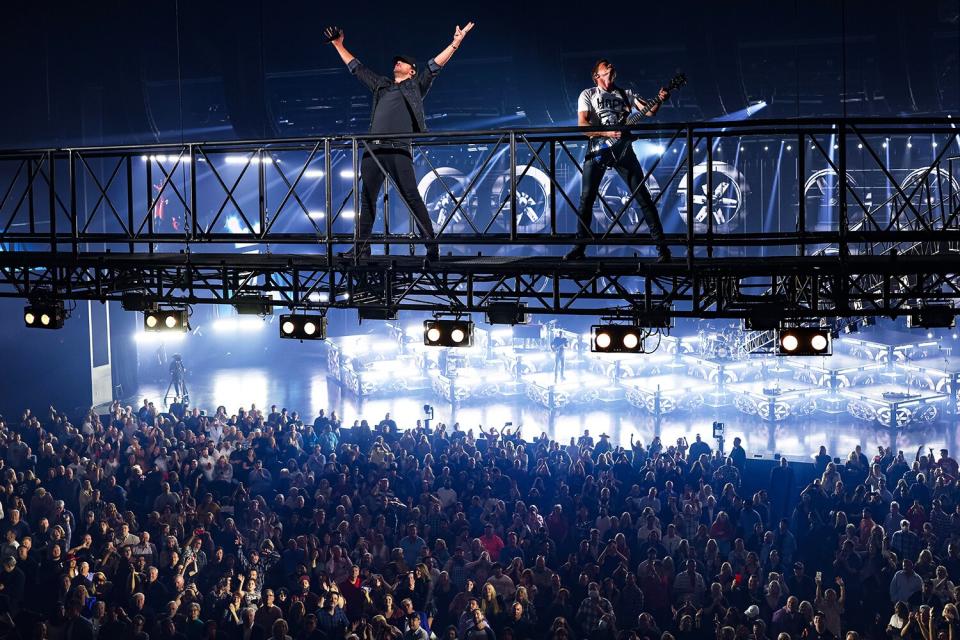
[{"x": 579, "y": 252}]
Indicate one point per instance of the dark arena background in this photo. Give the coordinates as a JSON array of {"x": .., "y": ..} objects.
[{"x": 182, "y": 187}]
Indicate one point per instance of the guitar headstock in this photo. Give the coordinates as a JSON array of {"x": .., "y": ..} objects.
[{"x": 676, "y": 82}]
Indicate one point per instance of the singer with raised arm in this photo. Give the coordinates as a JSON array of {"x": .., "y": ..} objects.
[
  {"x": 397, "y": 109},
  {"x": 608, "y": 104}
]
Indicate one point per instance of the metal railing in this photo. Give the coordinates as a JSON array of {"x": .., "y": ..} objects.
[{"x": 511, "y": 194}]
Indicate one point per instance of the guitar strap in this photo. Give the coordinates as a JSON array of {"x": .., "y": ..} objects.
[
  {"x": 623, "y": 96},
  {"x": 623, "y": 121}
]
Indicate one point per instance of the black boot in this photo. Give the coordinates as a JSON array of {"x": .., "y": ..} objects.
[
  {"x": 579, "y": 252},
  {"x": 665, "y": 255},
  {"x": 360, "y": 251}
]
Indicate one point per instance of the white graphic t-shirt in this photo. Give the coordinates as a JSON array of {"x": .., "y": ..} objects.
[{"x": 605, "y": 107}]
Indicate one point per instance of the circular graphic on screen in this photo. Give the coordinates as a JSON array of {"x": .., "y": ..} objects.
[
  {"x": 729, "y": 189},
  {"x": 436, "y": 188}
]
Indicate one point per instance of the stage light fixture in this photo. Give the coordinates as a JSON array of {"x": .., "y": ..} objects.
[
  {"x": 253, "y": 305},
  {"x": 764, "y": 317},
  {"x": 616, "y": 338},
  {"x": 303, "y": 327},
  {"x": 658, "y": 318},
  {"x": 761, "y": 324},
  {"x": 166, "y": 320},
  {"x": 135, "y": 301},
  {"x": 44, "y": 315},
  {"x": 376, "y": 313},
  {"x": 505, "y": 312},
  {"x": 804, "y": 341},
  {"x": 602, "y": 340},
  {"x": 448, "y": 333},
  {"x": 939, "y": 316}
]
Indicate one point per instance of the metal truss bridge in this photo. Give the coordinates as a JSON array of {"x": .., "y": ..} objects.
[{"x": 756, "y": 213}]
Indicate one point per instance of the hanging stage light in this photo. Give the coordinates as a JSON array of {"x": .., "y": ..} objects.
[
  {"x": 166, "y": 320},
  {"x": 506, "y": 312},
  {"x": 44, "y": 315},
  {"x": 616, "y": 338},
  {"x": 939, "y": 316},
  {"x": 448, "y": 333},
  {"x": 253, "y": 305},
  {"x": 802, "y": 341},
  {"x": 303, "y": 327}
]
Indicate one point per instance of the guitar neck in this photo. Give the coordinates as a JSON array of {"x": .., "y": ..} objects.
[{"x": 637, "y": 116}]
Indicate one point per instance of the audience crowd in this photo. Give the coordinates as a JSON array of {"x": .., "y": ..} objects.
[{"x": 148, "y": 525}]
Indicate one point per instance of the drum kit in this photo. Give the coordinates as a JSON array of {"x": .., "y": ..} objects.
[{"x": 721, "y": 344}]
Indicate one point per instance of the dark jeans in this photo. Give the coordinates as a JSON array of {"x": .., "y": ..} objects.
[
  {"x": 631, "y": 172},
  {"x": 399, "y": 165}
]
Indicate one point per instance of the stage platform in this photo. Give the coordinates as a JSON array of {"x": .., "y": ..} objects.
[
  {"x": 775, "y": 401},
  {"x": 663, "y": 394},
  {"x": 891, "y": 405},
  {"x": 836, "y": 371},
  {"x": 302, "y": 384},
  {"x": 472, "y": 384},
  {"x": 576, "y": 388},
  {"x": 900, "y": 346}
]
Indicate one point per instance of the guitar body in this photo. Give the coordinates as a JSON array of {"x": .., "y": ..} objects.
[{"x": 609, "y": 151}]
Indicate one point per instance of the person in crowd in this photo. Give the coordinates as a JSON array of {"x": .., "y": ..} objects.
[{"x": 252, "y": 525}]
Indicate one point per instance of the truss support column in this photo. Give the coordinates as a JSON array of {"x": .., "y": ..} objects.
[
  {"x": 194, "y": 218},
  {"x": 513, "y": 186},
  {"x": 262, "y": 196},
  {"x": 801, "y": 196},
  {"x": 690, "y": 216},
  {"x": 51, "y": 162},
  {"x": 386, "y": 216},
  {"x": 74, "y": 222},
  {"x": 354, "y": 152},
  {"x": 843, "y": 229},
  {"x": 130, "y": 230},
  {"x": 150, "y": 202},
  {"x": 709, "y": 196},
  {"x": 328, "y": 206},
  {"x": 32, "y": 214},
  {"x": 553, "y": 188}
]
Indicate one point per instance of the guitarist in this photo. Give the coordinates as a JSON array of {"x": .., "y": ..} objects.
[{"x": 608, "y": 104}]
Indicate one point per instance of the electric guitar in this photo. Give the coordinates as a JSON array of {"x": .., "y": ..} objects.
[{"x": 609, "y": 151}]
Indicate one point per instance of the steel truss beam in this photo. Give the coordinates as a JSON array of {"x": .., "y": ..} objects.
[
  {"x": 98, "y": 223},
  {"x": 810, "y": 288}
]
